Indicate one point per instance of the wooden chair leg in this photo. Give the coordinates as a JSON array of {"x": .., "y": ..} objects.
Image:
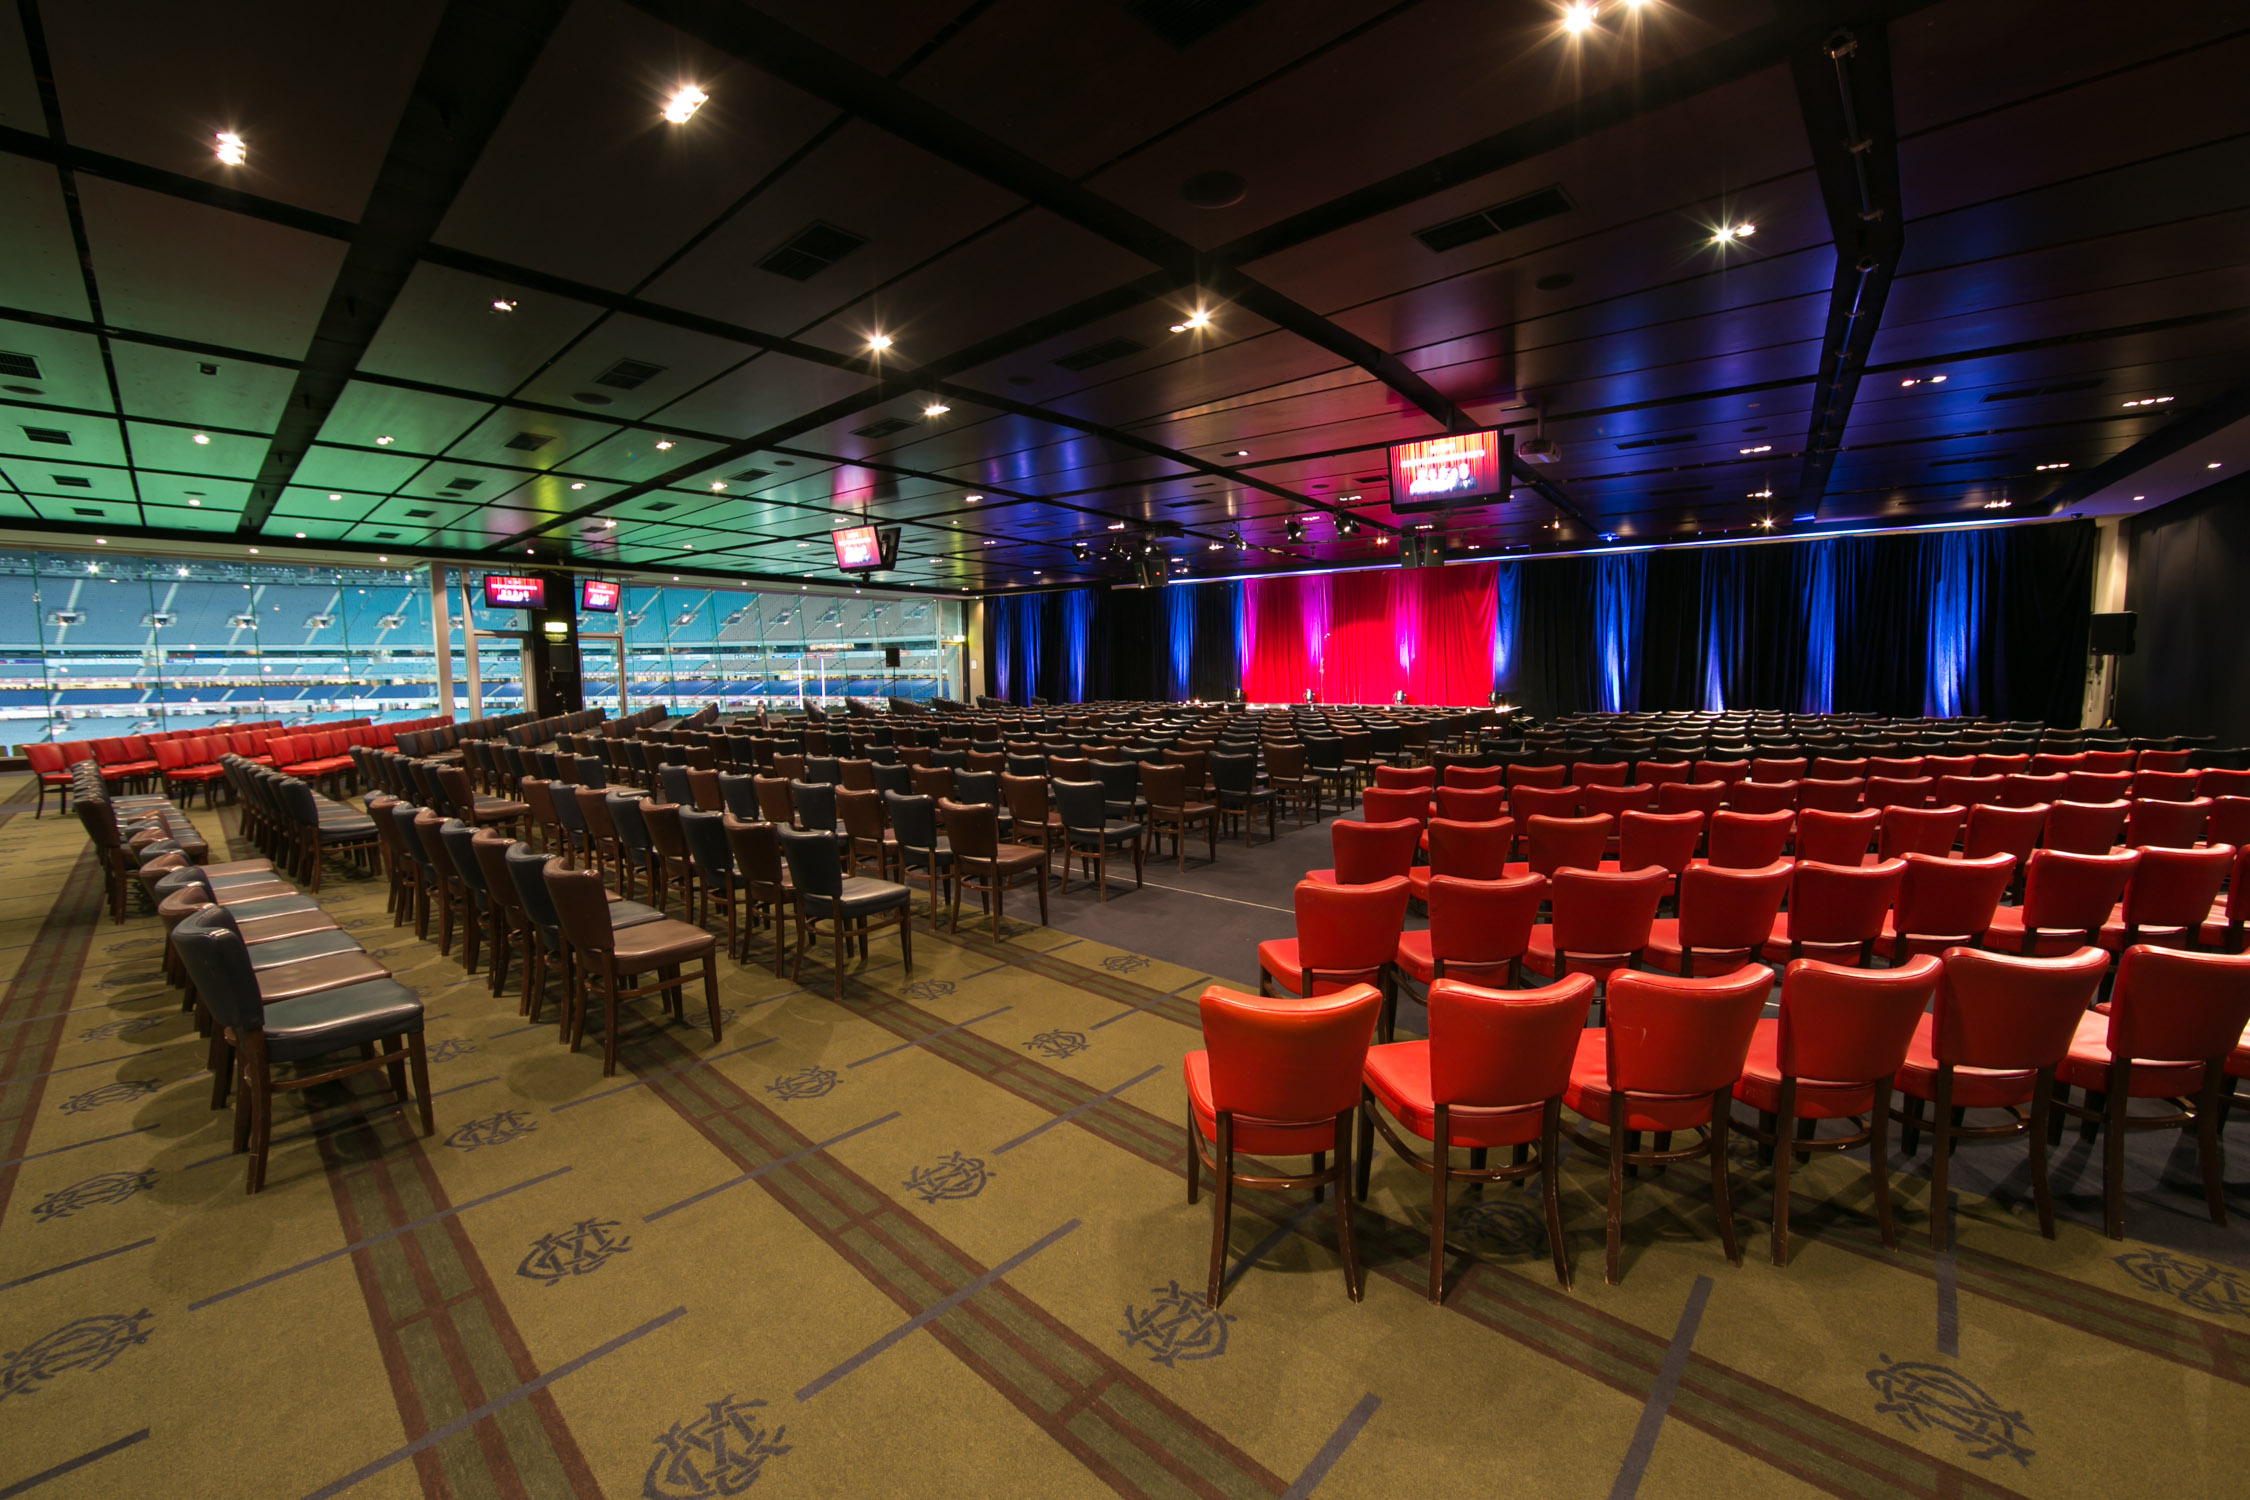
[
  {"x": 1781, "y": 1160},
  {"x": 1343, "y": 1181},
  {"x": 1194, "y": 1160},
  {"x": 2041, "y": 1106},
  {"x": 1616, "y": 1184},
  {"x": 1941, "y": 1149},
  {"x": 2208, "y": 1139},
  {"x": 1222, "y": 1206},
  {"x": 2113, "y": 1149},
  {"x": 1722, "y": 1190},
  {"x": 1879, "y": 1160},
  {"x": 1440, "y": 1166},
  {"x": 1550, "y": 1190}
]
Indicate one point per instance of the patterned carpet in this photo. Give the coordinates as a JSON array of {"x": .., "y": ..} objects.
[{"x": 934, "y": 1241}]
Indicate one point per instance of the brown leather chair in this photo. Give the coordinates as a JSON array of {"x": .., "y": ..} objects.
[
  {"x": 672, "y": 862},
  {"x": 538, "y": 797},
  {"x": 1166, "y": 788},
  {"x": 604, "y": 847},
  {"x": 478, "y": 812},
  {"x": 1036, "y": 821},
  {"x": 703, "y": 785},
  {"x": 869, "y": 839},
  {"x": 848, "y": 903},
  {"x": 604, "y": 959},
  {"x": 972, "y": 832},
  {"x": 775, "y": 804},
  {"x": 508, "y": 924},
  {"x": 767, "y": 890}
]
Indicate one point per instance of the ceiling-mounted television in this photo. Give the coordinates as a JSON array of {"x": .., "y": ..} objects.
[
  {"x": 509, "y": 591},
  {"x": 866, "y": 549},
  {"x": 598, "y": 595},
  {"x": 1465, "y": 468}
]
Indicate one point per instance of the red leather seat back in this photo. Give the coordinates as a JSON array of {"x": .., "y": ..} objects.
[
  {"x": 1369, "y": 852},
  {"x": 2000, "y": 1010},
  {"x": 1724, "y": 909},
  {"x": 1668, "y": 840},
  {"x": 2065, "y": 891},
  {"x": 1682, "y": 1037},
  {"x": 1842, "y": 903},
  {"x": 1490, "y": 1049},
  {"x": 1749, "y": 841},
  {"x": 1289, "y": 1060},
  {"x": 1472, "y": 851},
  {"x": 1484, "y": 921},
  {"x": 1844, "y": 1025}
]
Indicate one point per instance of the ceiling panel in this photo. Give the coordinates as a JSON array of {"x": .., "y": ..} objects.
[
  {"x": 43, "y": 269},
  {"x": 445, "y": 329}
]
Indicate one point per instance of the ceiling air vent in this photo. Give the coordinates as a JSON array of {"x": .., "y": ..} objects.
[
  {"x": 1657, "y": 442},
  {"x": 462, "y": 486},
  {"x": 66, "y": 617},
  {"x": 1183, "y": 23},
  {"x": 243, "y": 622},
  {"x": 157, "y": 620},
  {"x": 2062, "y": 388},
  {"x": 72, "y": 481},
  {"x": 420, "y": 514},
  {"x": 882, "y": 429},
  {"x": 749, "y": 475},
  {"x": 87, "y": 510},
  {"x": 1498, "y": 219},
  {"x": 629, "y": 374},
  {"x": 53, "y": 435},
  {"x": 661, "y": 505},
  {"x": 529, "y": 442},
  {"x": 815, "y": 248},
  {"x": 21, "y": 366},
  {"x": 1100, "y": 354}
]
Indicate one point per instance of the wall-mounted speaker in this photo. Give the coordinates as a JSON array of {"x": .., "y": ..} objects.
[
  {"x": 890, "y": 657},
  {"x": 2112, "y": 634},
  {"x": 1148, "y": 569}
]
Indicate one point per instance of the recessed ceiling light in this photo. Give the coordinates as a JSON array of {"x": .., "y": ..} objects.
[
  {"x": 300, "y": 536},
  {"x": 992, "y": 544},
  {"x": 579, "y": 485},
  {"x": 1937, "y": 380},
  {"x": 663, "y": 445},
  {"x": 202, "y": 440},
  {"x": 1727, "y": 234},
  {"x": 2043, "y": 468},
  {"x": 385, "y": 441},
  {"x": 195, "y": 502},
  {"x": 1761, "y": 448},
  {"x": 1194, "y": 320},
  {"x": 685, "y": 101},
  {"x": 717, "y": 485},
  {"x": 1117, "y": 526},
  {"x": 382, "y": 559},
  {"x": 1910, "y": 380},
  {"x": 878, "y": 342},
  {"x": 253, "y": 553},
  {"x": 1578, "y": 17},
  {"x": 503, "y": 304},
  {"x": 2140, "y": 497},
  {"x": 1765, "y": 494},
  {"x": 936, "y": 409},
  {"x": 334, "y": 495},
  {"x": 101, "y": 541},
  {"x": 972, "y": 499},
  {"x": 1998, "y": 504},
  {"x": 609, "y": 525},
  {"x": 227, "y": 146},
  {"x": 2210, "y": 466},
  {"x": 2149, "y": 401}
]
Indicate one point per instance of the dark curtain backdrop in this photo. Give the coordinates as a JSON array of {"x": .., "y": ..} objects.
[
  {"x": 2189, "y": 581},
  {"x": 1076, "y": 645}
]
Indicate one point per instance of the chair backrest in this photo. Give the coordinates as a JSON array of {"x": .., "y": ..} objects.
[
  {"x": 1082, "y": 805},
  {"x": 1777, "y": 770},
  {"x": 2174, "y": 1006},
  {"x": 1605, "y": 911},
  {"x": 1691, "y": 796},
  {"x": 1846, "y": 1025},
  {"x": 1749, "y": 841},
  {"x": 2176, "y": 887},
  {"x": 775, "y": 804},
  {"x": 1638, "y": 796},
  {"x": 1723, "y": 909},
  {"x": 2098, "y": 786},
  {"x": 2230, "y": 821},
  {"x": 1765, "y": 796},
  {"x": 756, "y": 846},
  {"x": 625, "y": 817},
  {"x": 1472, "y": 778},
  {"x": 814, "y": 861},
  {"x": 1027, "y": 799},
  {"x": 2018, "y": 789},
  {"x": 1842, "y": 903},
  {"x": 814, "y": 803},
  {"x": 1919, "y": 830},
  {"x": 1658, "y": 772},
  {"x": 1165, "y": 786},
  {"x": 2085, "y": 827},
  {"x": 459, "y": 840},
  {"x": 1349, "y": 929},
  {"x": 977, "y": 786},
  {"x": 1552, "y": 844},
  {"x": 1472, "y": 851},
  {"x": 1666, "y": 839},
  {"x": 861, "y": 812},
  {"x": 674, "y": 780},
  {"x": 1837, "y": 838},
  {"x": 1726, "y": 772},
  {"x": 1479, "y": 923},
  {"x": 2003, "y": 830},
  {"x": 2074, "y": 892},
  {"x": 664, "y": 832},
  {"x": 1540, "y": 776},
  {"x": 1471, "y": 804},
  {"x": 971, "y": 828},
  {"x": 1288, "y": 1061},
  {"x": 1389, "y": 804},
  {"x": 1950, "y": 898},
  {"x": 491, "y": 853},
  {"x": 1668, "y": 1036},
  {"x": 1406, "y": 776},
  {"x": 1589, "y": 773},
  {"x": 1368, "y": 852},
  {"x": 740, "y": 794},
  {"x": 2176, "y": 824},
  {"x": 1493, "y": 1049},
  {"x": 581, "y": 907},
  {"x": 209, "y": 942},
  {"x": 1999, "y": 1010}
]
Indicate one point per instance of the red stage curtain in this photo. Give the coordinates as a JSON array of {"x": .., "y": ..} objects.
[{"x": 1360, "y": 637}]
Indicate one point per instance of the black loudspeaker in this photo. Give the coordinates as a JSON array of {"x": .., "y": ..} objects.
[
  {"x": 2112, "y": 635},
  {"x": 890, "y": 656},
  {"x": 1148, "y": 568},
  {"x": 1421, "y": 549}
]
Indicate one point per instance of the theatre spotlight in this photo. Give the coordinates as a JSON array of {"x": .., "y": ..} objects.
[
  {"x": 1294, "y": 530},
  {"x": 1079, "y": 551}
]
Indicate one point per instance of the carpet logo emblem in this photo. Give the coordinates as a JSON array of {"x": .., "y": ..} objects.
[
  {"x": 805, "y": 1083},
  {"x": 2200, "y": 1286},
  {"x": 109, "y": 1093},
  {"x": 1178, "y": 1325},
  {"x": 109, "y": 1187},
  {"x": 580, "y": 1250},
  {"x": 722, "y": 1452},
  {"x": 929, "y": 989},
  {"x": 492, "y": 1130},
  {"x": 86, "y": 1344},
  {"x": 129, "y": 1027},
  {"x": 1509, "y": 1228},
  {"x": 1937, "y": 1398},
  {"x": 451, "y": 1048},
  {"x": 1057, "y": 1044},
  {"x": 950, "y": 1176},
  {"x": 1125, "y": 963}
]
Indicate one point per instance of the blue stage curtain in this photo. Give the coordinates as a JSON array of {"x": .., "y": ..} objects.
[
  {"x": 1816, "y": 563},
  {"x": 1618, "y": 585},
  {"x": 1000, "y": 644},
  {"x": 1506, "y": 626},
  {"x": 1076, "y": 641},
  {"x": 1179, "y": 638}
]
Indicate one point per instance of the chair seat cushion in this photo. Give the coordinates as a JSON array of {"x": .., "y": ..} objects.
[
  {"x": 1663, "y": 952},
  {"x": 1588, "y": 1093},
  {"x": 340, "y": 1017},
  {"x": 1776, "y": 949},
  {"x": 499, "y": 809},
  {"x": 267, "y": 908},
  {"x": 2087, "y": 1066},
  {"x": 1278, "y": 957},
  {"x": 1539, "y": 957},
  {"x": 346, "y": 830},
  {"x": 1108, "y": 833},
  {"x": 2005, "y": 935},
  {"x": 1251, "y": 1137},
  {"x": 247, "y": 891},
  {"x": 1398, "y": 1075},
  {"x": 1760, "y": 1083},
  {"x": 236, "y": 871},
  {"x": 309, "y": 975},
  {"x": 624, "y": 913},
  {"x": 649, "y": 945},
  {"x": 260, "y": 931},
  {"x": 1973, "y": 1088},
  {"x": 1021, "y": 861},
  {"x": 861, "y": 896},
  {"x": 270, "y": 951}
]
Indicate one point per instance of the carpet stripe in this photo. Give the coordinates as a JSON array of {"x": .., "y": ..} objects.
[
  {"x": 71, "y": 1465},
  {"x": 48, "y": 975}
]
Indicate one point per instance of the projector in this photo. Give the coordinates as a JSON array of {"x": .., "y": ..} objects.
[{"x": 1539, "y": 450}]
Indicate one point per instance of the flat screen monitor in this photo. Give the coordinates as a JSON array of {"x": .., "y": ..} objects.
[
  {"x": 598, "y": 596},
  {"x": 1466, "y": 468},
  {"x": 506, "y": 591},
  {"x": 866, "y": 549}
]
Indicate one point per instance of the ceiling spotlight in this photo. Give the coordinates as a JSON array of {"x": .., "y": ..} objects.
[
  {"x": 718, "y": 485},
  {"x": 1234, "y": 540},
  {"x": 2149, "y": 401},
  {"x": 334, "y": 496},
  {"x": 1079, "y": 551},
  {"x": 300, "y": 536},
  {"x": 1216, "y": 547},
  {"x": 1764, "y": 494},
  {"x": 202, "y": 440},
  {"x": 2043, "y": 468},
  {"x": 578, "y": 485},
  {"x": 2210, "y": 466},
  {"x": 1910, "y": 380},
  {"x": 609, "y": 525},
  {"x": 1937, "y": 380},
  {"x": 1727, "y": 234},
  {"x": 1578, "y": 17},
  {"x": 385, "y": 441},
  {"x": 503, "y": 304},
  {"x": 878, "y": 342},
  {"x": 195, "y": 502},
  {"x": 253, "y": 553},
  {"x": 1194, "y": 320},
  {"x": 685, "y": 101},
  {"x": 1761, "y": 448},
  {"x": 1294, "y": 530},
  {"x": 663, "y": 445},
  {"x": 1765, "y": 523},
  {"x": 1117, "y": 526},
  {"x": 382, "y": 559},
  {"x": 1998, "y": 504},
  {"x": 972, "y": 499},
  {"x": 229, "y": 149},
  {"x": 936, "y": 409}
]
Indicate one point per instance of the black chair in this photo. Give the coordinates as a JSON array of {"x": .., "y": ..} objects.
[
  {"x": 920, "y": 845},
  {"x": 1090, "y": 833},
  {"x": 674, "y": 780},
  {"x": 1234, "y": 786},
  {"x": 740, "y": 793},
  {"x": 815, "y": 803},
  {"x": 848, "y": 903},
  {"x": 891, "y": 776},
  {"x": 706, "y": 837},
  {"x": 547, "y": 955},
  {"x": 637, "y": 848},
  {"x": 459, "y": 841}
]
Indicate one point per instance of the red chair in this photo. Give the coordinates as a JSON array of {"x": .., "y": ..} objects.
[
  {"x": 1660, "y": 772},
  {"x": 1943, "y": 766},
  {"x": 1369, "y": 852},
  {"x": 2085, "y": 827},
  {"x": 2175, "y": 1021},
  {"x": 1469, "y": 851},
  {"x": 1471, "y": 805},
  {"x": 1999, "y": 1030},
  {"x": 1389, "y": 804},
  {"x": 1597, "y": 773},
  {"x": 2066, "y": 899},
  {"x": 2165, "y": 762},
  {"x": 1402, "y": 777},
  {"x": 2002, "y": 765},
  {"x": 2230, "y": 821},
  {"x": 1617, "y": 801},
  {"x": 53, "y": 769},
  {"x": 1668, "y": 840},
  {"x": 1600, "y": 921},
  {"x": 1725, "y": 917},
  {"x": 1547, "y": 802},
  {"x": 1895, "y": 791},
  {"x": 1765, "y": 796},
  {"x": 2018, "y": 790},
  {"x": 2096, "y": 786},
  {"x": 1834, "y": 768},
  {"x": 1277, "y": 1080},
  {"x": 1835, "y": 907},
  {"x": 1919, "y": 830},
  {"x": 2216, "y": 783},
  {"x": 1546, "y": 776},
  {"x": 2110, "y": 762},
  {"x": 1748, "y": 841},
  {"x": 1705, "y": 797},
  {"x": 2163, "y": 786},
  {"x": 1725, "y": 772},
  {"x": 1478, "y": 930},
  {"x": 2171, "y": 892},
  {"x": 1552, "y": 844},
  {"x": 2044, "y": 764},
  {"x": 1667, "y": 1060},
  {"x": 1816, "y": 795},
  {"x": 1967, "y": 791},
  {"x": 1894, "y": 767},
  {"x": 1346, "y": 935},
  {"x": 1492, "y": 1074},
  {"x": 2003, "y": 830},
  {"x": 1762, "y": 769},
  {"x": 1831, "y": 1055},
  {"x": 1945, "y": 903},
  {"x": 1836, "y": 838},
  {"x": 2150, "y": 822},
  {"x": 2223, "y": 929},
  {"x": 1472, "y": 778}
]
